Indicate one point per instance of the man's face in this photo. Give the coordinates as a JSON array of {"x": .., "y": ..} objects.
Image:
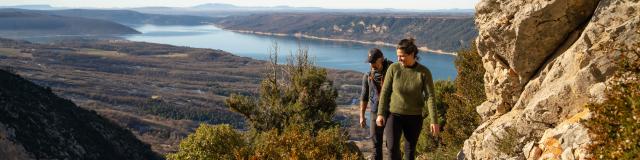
[{"x": 377, "y": 65}]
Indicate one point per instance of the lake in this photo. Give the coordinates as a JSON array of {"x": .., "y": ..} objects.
[{"x": 329, "y": 54}]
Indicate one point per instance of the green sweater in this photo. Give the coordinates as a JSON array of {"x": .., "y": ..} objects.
[{"x": 406, "y": 90}]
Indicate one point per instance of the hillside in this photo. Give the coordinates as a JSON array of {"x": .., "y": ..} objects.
[
  {"x": 19, "y": 23},
  {"x": 160, "y": 92},
  {"x": 545, "y": 61},
  {"x": 446, "y": 32},
  {"x": 37, "y": 124},
  {"x": 223, "y": 10}
]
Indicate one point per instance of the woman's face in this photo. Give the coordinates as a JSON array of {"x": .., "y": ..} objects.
[{"x": 405, "y": 59}]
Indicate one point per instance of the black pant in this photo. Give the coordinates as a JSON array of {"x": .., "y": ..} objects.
[
  {"x": 376, "y": 136},
  {"x": 410, "y": 126}
]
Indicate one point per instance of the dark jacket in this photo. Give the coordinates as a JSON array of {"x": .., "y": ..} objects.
[{"x": 372, "y": 84}]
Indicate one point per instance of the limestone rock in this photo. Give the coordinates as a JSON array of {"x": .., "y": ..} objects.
[
  {"x": 515, "y": 38},
  {"x": 569, "y": 140},
  {"x": 545, "y": 60}
]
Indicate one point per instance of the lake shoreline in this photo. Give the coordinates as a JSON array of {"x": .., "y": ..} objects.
[
  {"x": 328, "y": 54},
  {"x": 332, "y": 39}
]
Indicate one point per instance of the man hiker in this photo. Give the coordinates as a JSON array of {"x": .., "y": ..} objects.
[{"x": 371, "y": 86}]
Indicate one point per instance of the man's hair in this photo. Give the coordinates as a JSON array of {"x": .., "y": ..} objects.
[{"x": 374, "y": 54}]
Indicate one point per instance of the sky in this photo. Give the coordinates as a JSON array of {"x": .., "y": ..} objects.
[{"x": 334, "y": 4}]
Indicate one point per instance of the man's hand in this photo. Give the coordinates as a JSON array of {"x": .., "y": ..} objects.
[
  {"x": 380, "y": 121},
  {"x": 363, "y": 108},
  {"x": 435, "y": 129},
  {"x": 363, "y": 121}
]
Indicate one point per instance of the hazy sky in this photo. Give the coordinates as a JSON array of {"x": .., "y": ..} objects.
[{"x": 337, "y": 4}]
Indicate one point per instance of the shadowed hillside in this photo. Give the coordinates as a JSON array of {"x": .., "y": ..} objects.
[{"x": 37, "y": 124}]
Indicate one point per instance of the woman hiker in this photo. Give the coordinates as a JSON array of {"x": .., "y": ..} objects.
[{"x": 407, "y": 88}]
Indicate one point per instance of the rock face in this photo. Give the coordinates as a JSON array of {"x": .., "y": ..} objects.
[
  {"x": 36, "y": 124},
  {"x": 546, "y": 59}
]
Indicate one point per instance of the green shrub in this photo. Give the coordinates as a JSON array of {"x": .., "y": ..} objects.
[
  {"x": 615, "y": 123},
  {"x": 470, "y": 79},
  {"x": 458, "y": 100},
  {"x": 211, "y": 142},
  {"x": 427, "y": 142},
  {"x": 297, "y": 142},
  {"x": 297, "y": 93}
]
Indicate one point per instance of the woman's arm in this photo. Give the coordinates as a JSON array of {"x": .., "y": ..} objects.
[
  {"x": 385, "y": 93},
  {"x": 385, "y": 96},
  {"x": 430, "y": 97}
]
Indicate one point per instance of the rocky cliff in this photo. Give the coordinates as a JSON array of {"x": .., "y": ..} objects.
[
  {"x": 37, "y": 124},
  {"x": 545, "y": 60}
]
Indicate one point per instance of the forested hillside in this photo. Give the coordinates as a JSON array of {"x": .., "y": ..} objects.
[{"x": 445, "y": 32}]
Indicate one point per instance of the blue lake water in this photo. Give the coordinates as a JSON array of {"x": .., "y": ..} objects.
[{"x": 329, "y": 54}]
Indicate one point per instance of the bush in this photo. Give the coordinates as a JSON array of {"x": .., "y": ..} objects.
[
  {"x": 461, "y": 117},
  {"x": 211, "y": 142},
  {"x": 459, "y": 101},
  {"x": 297, "y": 93},
  {"x": 426, "y": 141},
  {"x": 615, "y": 125},
  {"x": 297, "y": 142}
]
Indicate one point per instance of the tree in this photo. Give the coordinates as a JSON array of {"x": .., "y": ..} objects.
[
  {"x": 459, "y": 102},
  {"x": 296, "y": 93},
  {"x": 291, "y": 119}
]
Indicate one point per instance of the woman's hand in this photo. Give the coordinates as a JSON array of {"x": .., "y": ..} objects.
[
  {"x": 435, "y": 129},
  {"x": 380, "y": 121}
]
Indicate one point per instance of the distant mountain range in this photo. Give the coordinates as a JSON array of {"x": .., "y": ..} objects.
[
  {"x": 17, "y": 23},
  {"x": 33, "y": 7}
]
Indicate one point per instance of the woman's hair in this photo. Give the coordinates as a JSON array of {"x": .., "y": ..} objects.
[{"x": 409, "y": 47}]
